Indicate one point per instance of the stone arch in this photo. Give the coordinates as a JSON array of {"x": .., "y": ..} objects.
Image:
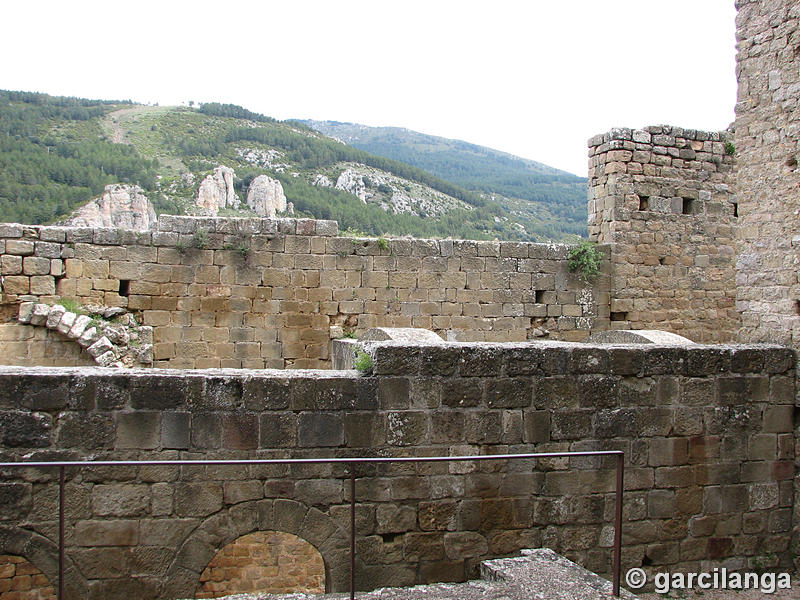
[
  {"x": 43, "y": 555},
  {"x": 274, "y": 562},
  {"x": 288, "y": 516}
]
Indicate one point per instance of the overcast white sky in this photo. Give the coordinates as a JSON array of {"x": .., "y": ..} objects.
[{"x": 531, "y": 77}]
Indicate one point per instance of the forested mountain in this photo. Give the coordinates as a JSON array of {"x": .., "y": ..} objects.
[
  {"x": 53, "y": 157},
  {"x": 474, "y": 167},
  {"x": 57, "y": 153}
]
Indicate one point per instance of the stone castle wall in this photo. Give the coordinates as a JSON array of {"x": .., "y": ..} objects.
[
  {"x": 707, "y": 434},
  {"x": 662, "y": 197},
  {"x": 768, "y": 179},
  {"x": 258, "y": 293}
]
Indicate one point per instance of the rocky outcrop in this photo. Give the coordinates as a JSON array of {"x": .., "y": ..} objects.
[
  {"x": 216, "y": 191},
  {"x": 322, "y": 181},
  {"x": 265, "y": 196},
  {"x": 121, "y": 205},
  {"x": 353, "y": 182}
]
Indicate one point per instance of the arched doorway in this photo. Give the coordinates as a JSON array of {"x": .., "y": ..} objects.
[
  {"x": 22, "y": 580},
  {"x": 263, "y": 561}
]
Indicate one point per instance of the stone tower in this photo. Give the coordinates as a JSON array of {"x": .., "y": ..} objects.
[{"x": 768, "y": 181}]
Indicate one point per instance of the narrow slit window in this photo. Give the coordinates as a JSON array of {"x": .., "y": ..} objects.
[
  {"x": 688, "y": 206},
  {"x": 124, "y": 287},
  {"x": 644, "y": 202}
]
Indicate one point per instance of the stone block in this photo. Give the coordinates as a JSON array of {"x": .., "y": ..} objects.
[
  {"x": 54, "y": 316},
  {"x": 423, "y": 546},
  {"x": 778, "y": 360},
  {"x": 364, "y": 430},
  {"x": 120, "y": 500},
  {"x": 395, "y": 360},
  {"x": 157, "y": 391},
  {"x": 85, "y": 431},
  {"x": 262, "y": 393},
  {"x": 198, "y": 499},
  {"x": 509, "y": 392},
  {"x": 106, "y": 533},
  {"x": 465, "y": 544},
  {"x": 19, "y": 247},
  {"x": 42, "y": 285},
  {"x": 320, "y": 492},
  {"x": 589, "y": 360},
  {"x": 661, "y": 504},
  {"x": 573, "y": 425},
  {"x": 10, "y": 264},
  {"x": 140, "y": 429},
  {"x": 206, "y": 430},
  {"x": 779, "y": 419},
  {"x": 15, "y": 501},
  {"x": 747, "y": 360},
  {"x": 460, "y": 393},
  {"x": 35, "y": 265},
  {"x": 407, "y": 428},
  {"x": 219, "y": 393},
  {"x": 240, "y": 431},
  {"x": 16, "y": 284},
  {"x": 320, "y": 430},
  {"x": 624, "y": 361},
  {"x": 439, "y": 360},
  {"x": 668, "y": 451},
  {"x": 235, "y": 492},
  {"x": 175, "y": 430},
  {"x": 477, "y": 361},
  {"x": 278, "y": 430},
  {"x": 597, "y": 391}
]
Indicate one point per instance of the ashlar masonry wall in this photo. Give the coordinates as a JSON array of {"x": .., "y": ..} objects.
[
  {"x": 707, "y": 433},
  {"x": 662, "y": 198},
  {"x": 258, "y": 293},
  {"x": 768, "y": 179}
]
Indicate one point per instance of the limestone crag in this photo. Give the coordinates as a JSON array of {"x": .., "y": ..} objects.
[
  {"x": 216, "y": 191},
  {"x": 265, "y": 196},
  {"x": 121, "y": 205},
  {"x": 353, "y": 183},
  {"x": 322, "y": 180}
]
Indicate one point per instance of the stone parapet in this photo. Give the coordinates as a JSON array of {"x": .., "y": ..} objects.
[{"x": 707, "y": 433}]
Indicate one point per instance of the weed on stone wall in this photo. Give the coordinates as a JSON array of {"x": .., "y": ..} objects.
[
  {"x": 585, "y": 261},
  {"x": 363, "y": 362}
]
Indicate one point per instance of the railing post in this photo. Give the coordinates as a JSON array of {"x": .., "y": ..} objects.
[
  {"x": 352, "y": 531},
  {"x": 618, "y": 524},
  {"x": 61, "y": 491}
]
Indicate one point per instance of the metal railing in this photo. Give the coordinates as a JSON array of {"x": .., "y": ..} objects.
[{"x": 350, "y": 463}]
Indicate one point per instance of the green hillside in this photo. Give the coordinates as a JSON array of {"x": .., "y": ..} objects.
[
  {"x": 561, "y": 195},
  {"x": 53, "y": 157},
  {"x": 57, "y": 153}
]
